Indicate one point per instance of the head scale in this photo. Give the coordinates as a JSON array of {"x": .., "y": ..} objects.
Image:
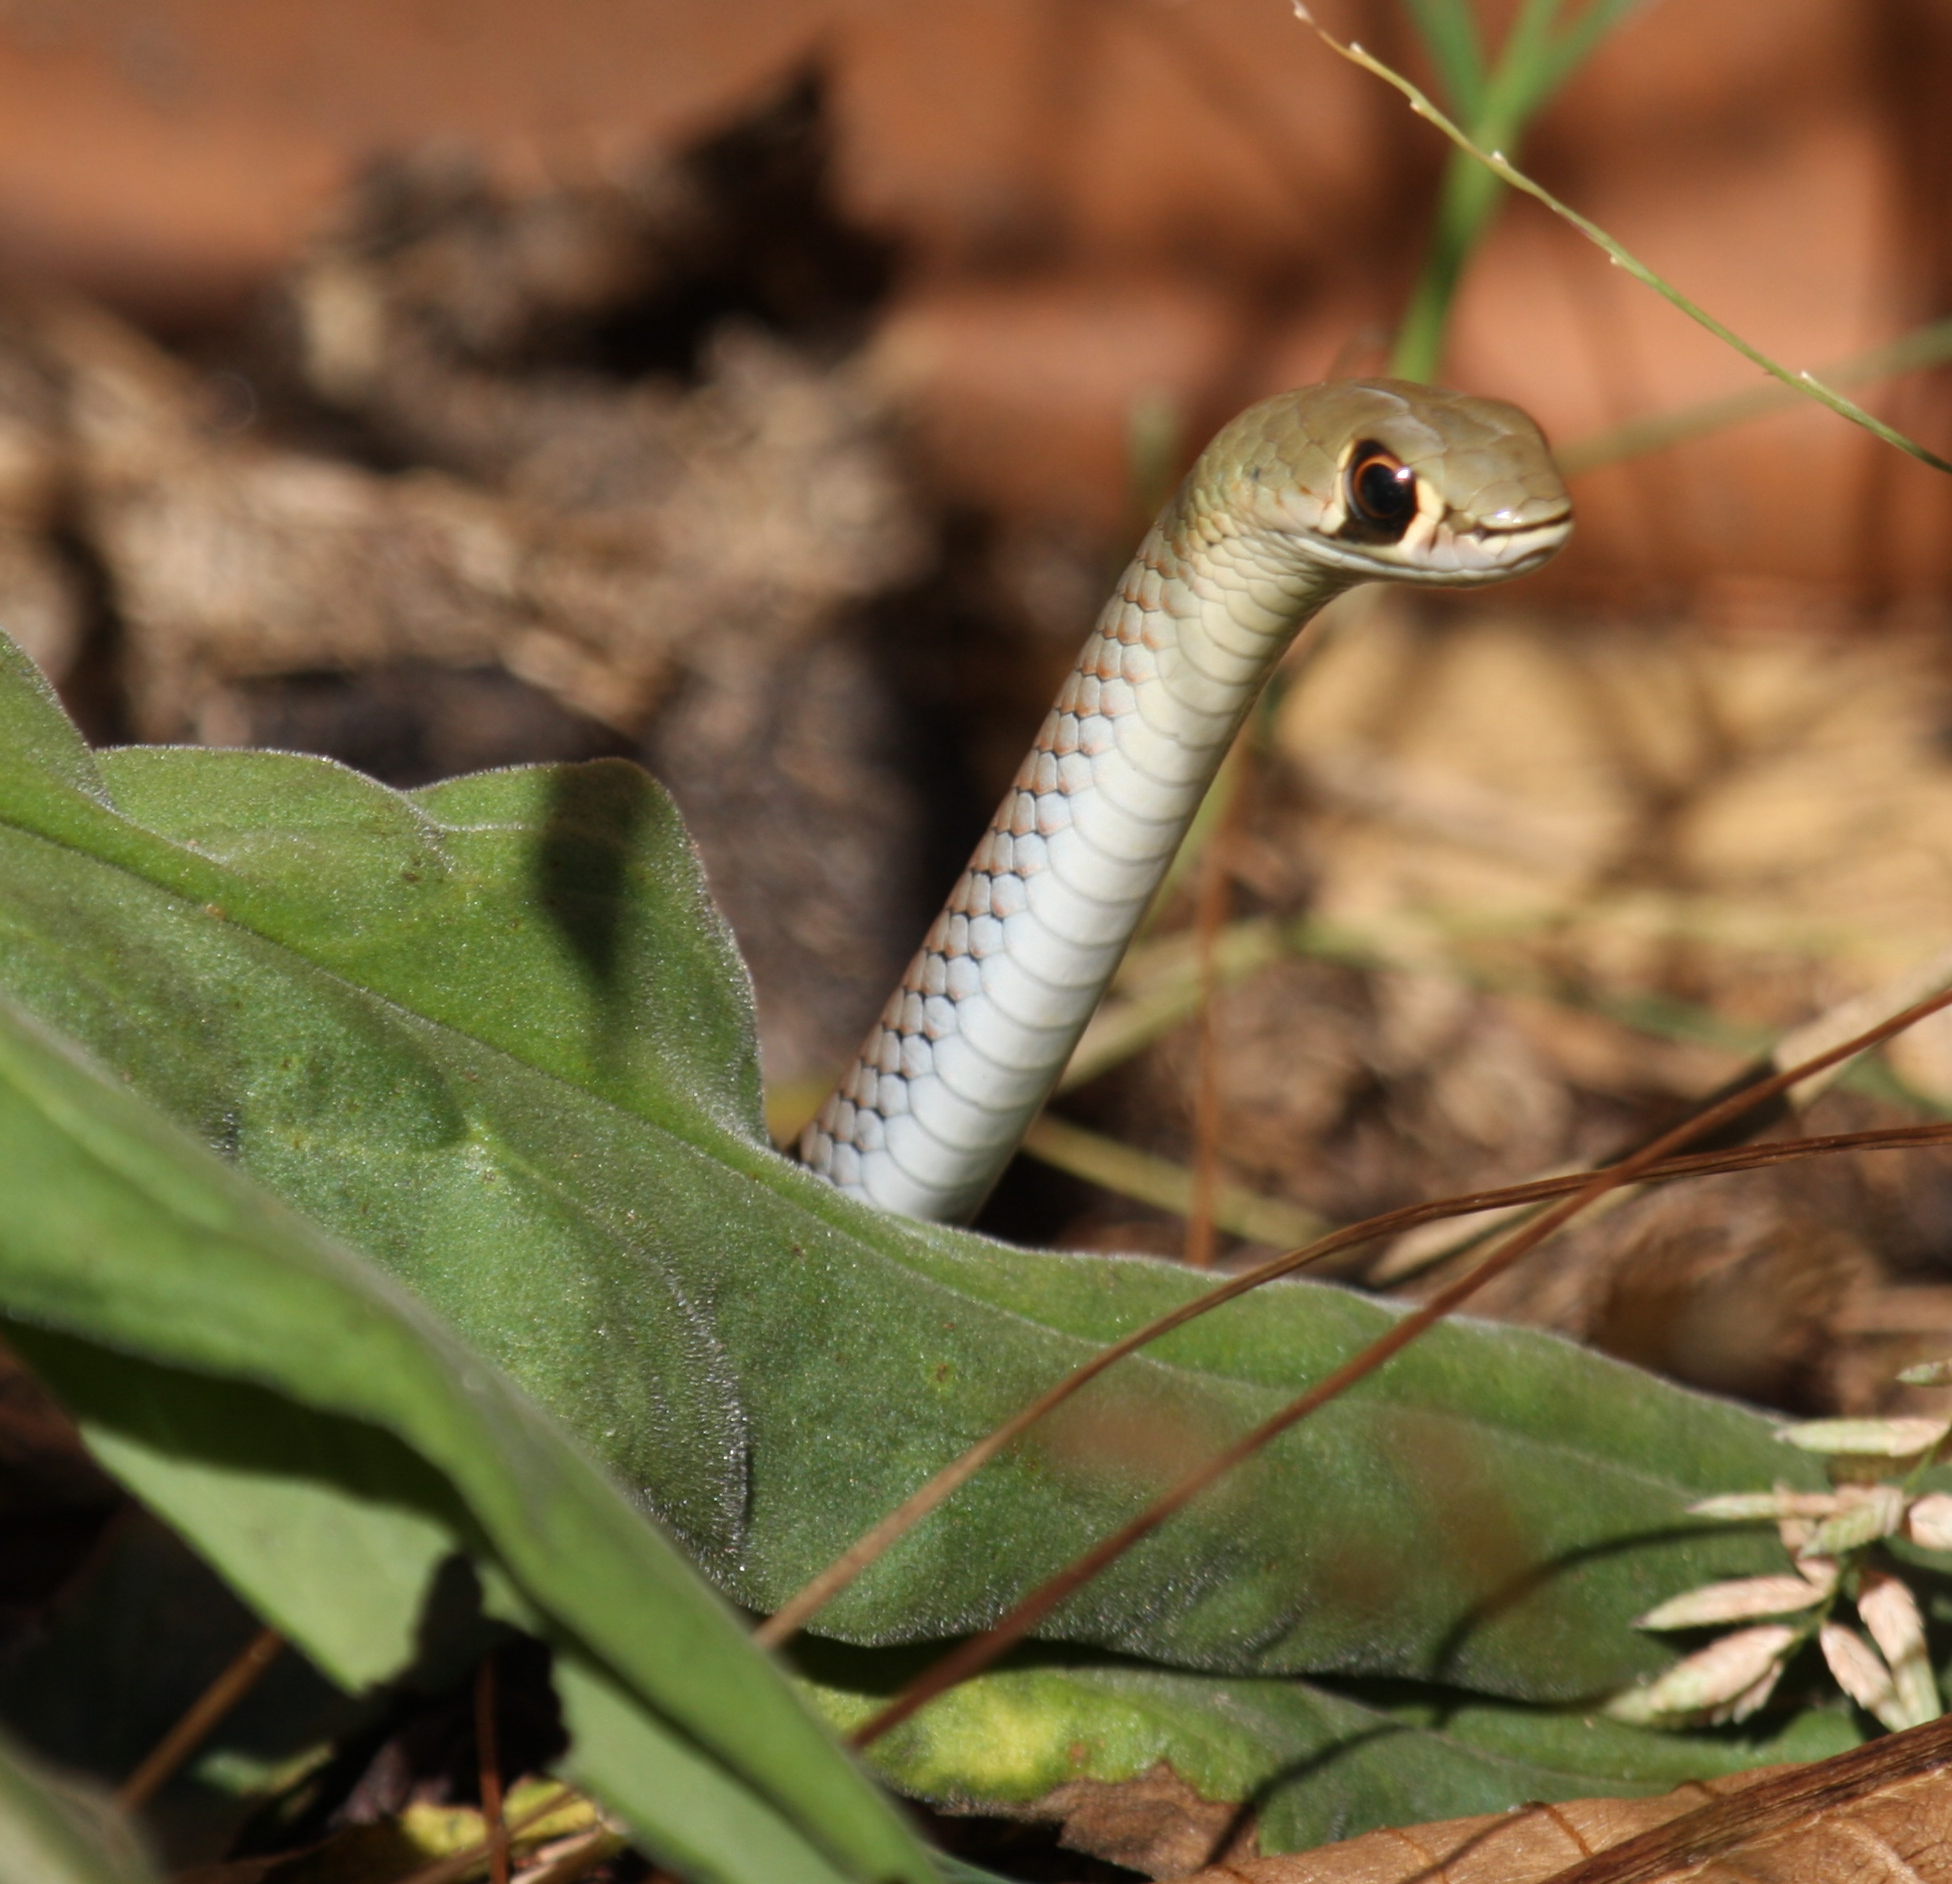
[{"x": 1387, "y": 479}]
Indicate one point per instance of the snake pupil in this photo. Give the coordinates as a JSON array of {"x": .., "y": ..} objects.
[{"x": 1382, "y": 492}]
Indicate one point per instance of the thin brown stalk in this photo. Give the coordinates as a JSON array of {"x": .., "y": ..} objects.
[
  {"x": 488, "y": 1760},
  {"x": 198, "y": 1720},
  {"x": 793, "y": 1615},
  {"x": 971, "y": 1657}
]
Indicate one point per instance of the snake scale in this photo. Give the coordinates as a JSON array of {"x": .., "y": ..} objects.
[{"x": 1298, "y": 499}]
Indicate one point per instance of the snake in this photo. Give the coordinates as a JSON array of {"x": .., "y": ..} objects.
[{"x": 1297, "y": 500}]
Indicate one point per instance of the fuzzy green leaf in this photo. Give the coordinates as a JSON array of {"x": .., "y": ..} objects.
[
  {"x": 154, "y": 1289},
  {"x": 1317, "y": 1762},
  {"x": 54, "y": 1832},
  {"x": 493, "y": 1034}
]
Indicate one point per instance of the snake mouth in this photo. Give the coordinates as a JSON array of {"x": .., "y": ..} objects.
[
  {"x": 1452, "y": 556},
  {"x": 1516, "y": 549}
]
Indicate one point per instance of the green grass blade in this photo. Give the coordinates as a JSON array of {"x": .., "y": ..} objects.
[
  {"x": 1466, "y": 201},
  {"x": 327, "y": 1444},
  {"x": 1578, "y": 42},
  {"x": 1456, "y": 48},
  {"x": 1469, "y": 196},
  {"x": 1498, "y": 165}
]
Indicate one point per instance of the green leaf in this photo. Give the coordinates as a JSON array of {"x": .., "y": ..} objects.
[
  {"x": 387, "y": 1448},
  {"x": 1317, "y": 1762},
  {"x": 492, "y": 1034},
  {"x": 331, "y": 1526},
  {"x": 54, "y": 1832},
  {"x": 136, "y": 1636}
]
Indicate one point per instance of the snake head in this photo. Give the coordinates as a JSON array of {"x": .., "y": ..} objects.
[{"x": 1384, "y": 479}]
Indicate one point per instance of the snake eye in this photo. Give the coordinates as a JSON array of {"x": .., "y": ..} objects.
[{"x": 1381, "y": 491}]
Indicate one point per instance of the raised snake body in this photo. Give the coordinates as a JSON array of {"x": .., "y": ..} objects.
[{"x": 1300, "y": 498}]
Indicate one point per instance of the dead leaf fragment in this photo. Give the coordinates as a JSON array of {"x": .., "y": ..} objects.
[
  {"x": 1880, "y": 1814},
  {"x": 1156, "y": 1824}
]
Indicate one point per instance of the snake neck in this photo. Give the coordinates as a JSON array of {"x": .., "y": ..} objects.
[{"x": 977, "y": 1033}]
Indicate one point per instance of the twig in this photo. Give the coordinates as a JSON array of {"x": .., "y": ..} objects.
[
  {"x": 198, "y": 1720},
  {"x": 488, "y": 1759}
]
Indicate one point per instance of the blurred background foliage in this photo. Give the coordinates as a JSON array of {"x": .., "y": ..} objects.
[{"x": 767, "y": 391}]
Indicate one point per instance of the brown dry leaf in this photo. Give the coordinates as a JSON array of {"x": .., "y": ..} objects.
[
  {"x": 1879, "y": 1812},
  {"x": 1564, "y": 878},
  {"x": 1757, "y": 800},
  {"x": 1736, "y": 1283},
  {"x": 1155, "y": 1824},
  {"x": 498, "y": 484},
  {"x": 1617, "y": 797},
  {"x": 775, "y": 503}
]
